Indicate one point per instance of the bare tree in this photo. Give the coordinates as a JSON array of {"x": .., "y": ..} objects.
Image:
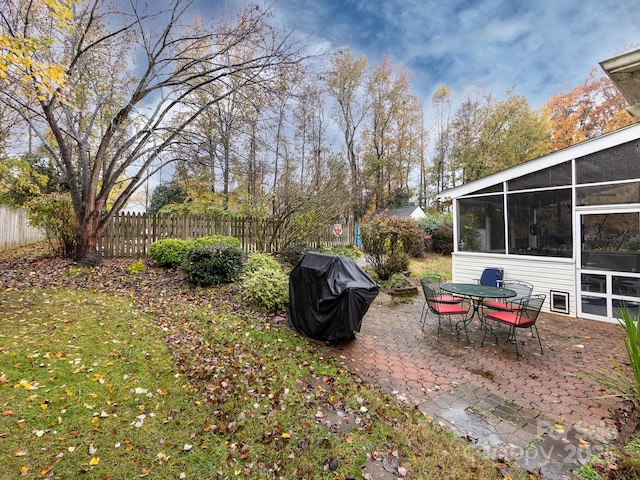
[
  {"x": 346, "y": 84},
  {"x": 126, "y": 77},
  {"x": 392, "y": 136},
  {"x": 441, "y": 101}
]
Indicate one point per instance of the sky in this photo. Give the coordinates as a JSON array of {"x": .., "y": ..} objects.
[{"x": 537, "y": 47}]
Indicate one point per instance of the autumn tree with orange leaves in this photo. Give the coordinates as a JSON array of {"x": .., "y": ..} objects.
[{"x": 594, "y": 108}]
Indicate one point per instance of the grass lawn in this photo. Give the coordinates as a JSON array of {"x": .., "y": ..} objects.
[
  {"x": 432, "y": 263},
  {"x": 107, "y": 374}
]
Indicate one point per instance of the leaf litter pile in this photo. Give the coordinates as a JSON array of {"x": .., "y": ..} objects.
[{"x": 108, "y": 374}]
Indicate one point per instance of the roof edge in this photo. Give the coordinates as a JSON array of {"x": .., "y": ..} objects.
[{"x": 617, "y": 137}]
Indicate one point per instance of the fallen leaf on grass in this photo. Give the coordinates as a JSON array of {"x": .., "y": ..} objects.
[
  {"x": 140, "y": 421},
  {"x": 390, "y": 464},
  {"x": 330, "y": 464},
  {"x": 94, "y": 461}
]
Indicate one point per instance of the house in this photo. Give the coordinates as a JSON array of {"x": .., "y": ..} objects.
[
  {"x": 412, "y": 211},
  {"x": 568, "y": 222}
]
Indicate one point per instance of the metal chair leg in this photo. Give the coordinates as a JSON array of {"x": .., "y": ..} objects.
[
  {"x": 515, "y": 340},
  {"x": 539, "y": 342},
  {"x": 487, "y": 328},
  {"x": 464, "y": 326}
]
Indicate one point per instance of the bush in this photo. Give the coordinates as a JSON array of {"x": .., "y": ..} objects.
[
  {"x": 258, "y": 260},
  {"x": 389, "y": 242},
  {"x": 169, "y": 252},
  {"x": 267, "y": 288},
  {"x": 292, "y": 254},
  {"x": 209, "y": 264},
  {"x": 215, "y": 239},
  {"x": 344, "y": 251},
  {"x": 53, "y": 214},
  {"x": 438, "y": 229},
  {"x": 442, "y": 239},
  {"x": 616, "y": 378}
]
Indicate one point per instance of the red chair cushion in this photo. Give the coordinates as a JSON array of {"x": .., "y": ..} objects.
[
  {"x": 509, "y": 307},
  {"x": 449, "y": 309},
  {"x": 445, "y": 299},
  {"x": 509, "y": 318}
]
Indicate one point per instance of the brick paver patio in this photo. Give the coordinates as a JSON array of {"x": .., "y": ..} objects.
[{"x": 533, "y": 394}]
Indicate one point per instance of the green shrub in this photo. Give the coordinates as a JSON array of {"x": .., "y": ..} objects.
[
  {"x": 397, "y": 280},
  {"x": 389, "y": 242},
  {"x": 438, "y": 229},
  {"x": 209, "y": 264},
  {"x": 293, "y": 253},
  {"x": 442, "y": 239},
  {"x": 53, "y": 214},
  {"x": 169, "y": 252},
  {"x": 215, "y": 239},
  {"x": 344, "y": 251},
  {"x": 267, "y": 288},
  {"x": 258, "y": 260},
  {"x": 616, "y": 378}
]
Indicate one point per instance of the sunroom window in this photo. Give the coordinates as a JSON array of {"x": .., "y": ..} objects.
[
  {"x": 481, "y": 224},
  {"x": 540, "y": 223}
]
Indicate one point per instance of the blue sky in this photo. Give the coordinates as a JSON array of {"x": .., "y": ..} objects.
[{"x": 539, "y": 47}]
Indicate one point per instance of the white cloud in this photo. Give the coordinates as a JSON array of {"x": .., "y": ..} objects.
[{"x": 542, "y": 47}]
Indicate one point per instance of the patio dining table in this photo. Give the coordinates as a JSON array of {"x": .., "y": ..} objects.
[{"x": 476, "y": 293}]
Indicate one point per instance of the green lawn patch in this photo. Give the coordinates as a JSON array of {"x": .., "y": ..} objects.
[{"x": 89, "y": 389}]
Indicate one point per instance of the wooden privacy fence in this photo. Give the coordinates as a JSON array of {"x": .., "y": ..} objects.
[
  {"x": 15, "y": 229},
  {"x": 130, "y": 234}
]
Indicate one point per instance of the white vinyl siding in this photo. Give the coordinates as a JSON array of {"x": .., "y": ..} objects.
[{"x": 545, "y": 274}]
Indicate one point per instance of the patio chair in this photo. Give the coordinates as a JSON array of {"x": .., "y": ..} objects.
[
  {"x": 524, "y": 317},
  {"x": 491, "y": 277},
  {"x": 441, "y": 309},
  {"x": 522, "y": 289},
  {"x": 435, "y": 280}
]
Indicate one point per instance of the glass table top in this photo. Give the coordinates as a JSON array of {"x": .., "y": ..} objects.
[{"x": 477, "y": 291}]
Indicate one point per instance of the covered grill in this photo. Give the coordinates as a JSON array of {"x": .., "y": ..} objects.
[{"x": 328, "y": 297}]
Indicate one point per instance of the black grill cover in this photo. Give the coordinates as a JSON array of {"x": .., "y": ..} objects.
[{"x": 328, "y": 296}]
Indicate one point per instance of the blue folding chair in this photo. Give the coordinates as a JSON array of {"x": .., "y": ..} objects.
[{"x": 491, "y": 277}]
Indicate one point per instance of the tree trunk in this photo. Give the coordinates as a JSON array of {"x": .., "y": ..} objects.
[{"x": 87, "y": 242}]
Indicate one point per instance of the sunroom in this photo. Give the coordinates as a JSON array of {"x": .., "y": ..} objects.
[{"x": 568, "y": 222}]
